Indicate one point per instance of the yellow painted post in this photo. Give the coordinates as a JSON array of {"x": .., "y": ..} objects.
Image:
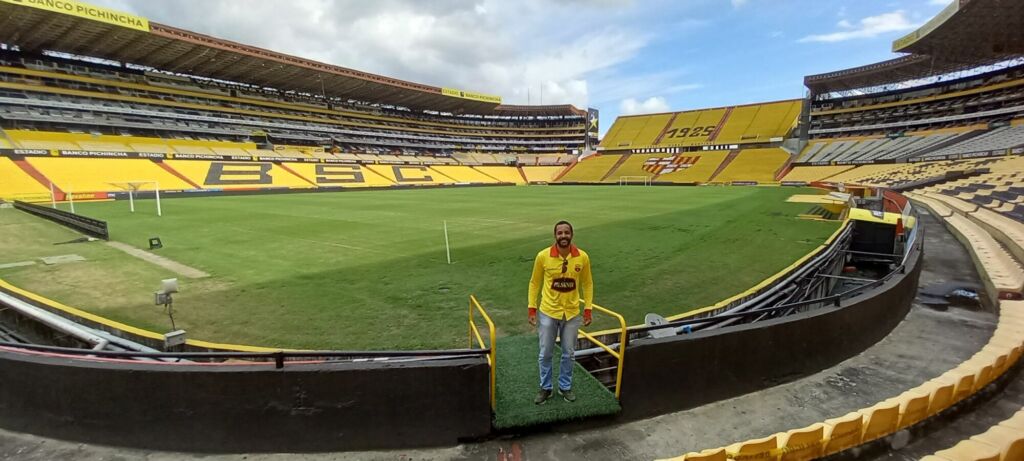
[
  {"x": 492, "y": 355},
  {"x": 621, "y": 354}
]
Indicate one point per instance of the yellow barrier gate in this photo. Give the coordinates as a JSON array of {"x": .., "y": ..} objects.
[
  {"x": 474, "y": 332},
  {"x": 621, "y": 354}
]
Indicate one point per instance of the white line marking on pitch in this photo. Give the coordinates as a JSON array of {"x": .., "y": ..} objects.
[{"x": 173, "y": 266}]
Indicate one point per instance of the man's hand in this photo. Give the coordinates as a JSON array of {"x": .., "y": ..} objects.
[
  {"x": 532, "y": 316},
  {"x": 587, "y": 318}
]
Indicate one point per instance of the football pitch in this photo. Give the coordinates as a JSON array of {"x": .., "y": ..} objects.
[{"x": 368, "y": 270}]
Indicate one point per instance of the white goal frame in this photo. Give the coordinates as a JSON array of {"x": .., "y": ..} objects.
[
  {"x": 133, "y": 186},
  {"x": 625, "y": 180}
]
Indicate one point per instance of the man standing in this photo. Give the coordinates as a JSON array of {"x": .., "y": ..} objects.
[{"x": 560, "y": 272}]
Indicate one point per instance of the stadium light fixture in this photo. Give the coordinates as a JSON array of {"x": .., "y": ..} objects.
[{"x": 162, "y": 297}]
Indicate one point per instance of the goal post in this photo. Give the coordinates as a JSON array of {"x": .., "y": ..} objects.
[
  {"x": 133, "y": 187},
  {"x": 627, "y": 180}
]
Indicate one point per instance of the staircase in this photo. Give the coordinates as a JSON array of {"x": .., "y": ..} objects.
[
  {"x": 818, "y": 213},
  {"x": 728, "y": 159},
  {"x": 615, "y": 167}
]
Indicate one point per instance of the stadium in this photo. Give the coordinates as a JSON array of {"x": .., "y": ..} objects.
[{"x": 211, "y": 247}]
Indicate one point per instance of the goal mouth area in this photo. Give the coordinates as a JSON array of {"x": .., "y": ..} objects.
[
  {"x": 133, "y": 186},
  {"x": 639, "y": 180}
]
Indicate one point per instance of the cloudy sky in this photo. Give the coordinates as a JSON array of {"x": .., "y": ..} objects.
[{"x": 620, "y": 56}]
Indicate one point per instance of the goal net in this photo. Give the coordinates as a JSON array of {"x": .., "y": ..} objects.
[
  {"x": 638, "y": 180},
  {"x": 133, "y": 188}
]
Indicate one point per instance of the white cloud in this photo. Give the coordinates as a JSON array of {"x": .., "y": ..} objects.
[
  {"x": 630, "y": 106},
  {"x": 739, "y": 3},
  {"x": 939, "y": 2},
  {"x": 868, "y": 27},
  {"x": 559, "y": 49}
]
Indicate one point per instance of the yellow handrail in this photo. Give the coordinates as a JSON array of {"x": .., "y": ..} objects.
[
  {"x": 475, "y": 332},
  {"x": 621, "y": 354}
]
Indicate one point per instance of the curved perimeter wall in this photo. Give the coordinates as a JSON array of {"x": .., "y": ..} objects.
[
  {"x": 246, "y": 408},
  {"x": 679, "y": 372}
]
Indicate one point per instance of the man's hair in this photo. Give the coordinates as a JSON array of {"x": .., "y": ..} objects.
[{"x": 567, "y": 223}]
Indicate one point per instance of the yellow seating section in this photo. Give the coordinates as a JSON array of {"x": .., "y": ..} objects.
[
  {"x": 728, "y": 125},
  {"x": 16, "y": 184},
  {"x": 198, "y": 171},
  {"x": 814, "y": 173},
  {"x": 83, "y": 141},
  {"x": 410, "y": 174},
  {"x": 1003, "y": 441},
  {"x": 634, "y": 166},
  {"x": 339, "y": 175},
  {"x": 863, "y": 171},
  {"x": 591, "y": 169},
  {"x": 4, "y": 144},
  {"x": 923, "y": 99},
  {"x": 690, "y": 128},
  {"x": 32, "y": 75},
  {"x": 759, "y": 165},
  {"x": 96, "y": 174},
  {"x": 542, "y": 173},
  {"x": 462, "y": 174},
  {"x": 759, "y": 122},
  {"x": 701, "y": 171},
  {"x": 507, "y": 174}
]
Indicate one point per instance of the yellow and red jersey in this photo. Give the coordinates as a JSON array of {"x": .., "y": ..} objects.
[{"x": 559, "y": 281}]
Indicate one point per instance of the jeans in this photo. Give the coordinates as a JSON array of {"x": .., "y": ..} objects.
[{"x": 548, "y": 329}]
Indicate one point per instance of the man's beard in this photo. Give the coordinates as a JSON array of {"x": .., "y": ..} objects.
[{"x": 564, "y": 242}]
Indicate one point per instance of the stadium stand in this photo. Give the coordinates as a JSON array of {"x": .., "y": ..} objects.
[
  {"x": 237, "y": 175},
  {"x": 755, "y": 123},
  {"x": 503, "y": 173},
  {"x": 542, "y": 173},
  {"x": 591, "y": 169},
  {"x": 19, "y": 185},
  {"x": 702, "y": 170},
  {"x": 97, "y": 174},
  {"x": 463, "y": 174},
  {"x": 759, "y": 165},
  {"x": 815, "y": 173}
]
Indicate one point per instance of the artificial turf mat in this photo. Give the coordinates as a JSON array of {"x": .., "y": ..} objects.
[{"x": 517, "y": 385}]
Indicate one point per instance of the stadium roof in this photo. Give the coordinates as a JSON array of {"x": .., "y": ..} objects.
[
  {"x": 967, "y": 34},
  {"x": 77, "y": 28}
]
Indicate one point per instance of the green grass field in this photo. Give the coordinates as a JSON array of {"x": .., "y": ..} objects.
[{"x": 367, "y": 270}]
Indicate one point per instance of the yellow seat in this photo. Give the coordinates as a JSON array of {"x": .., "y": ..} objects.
[
  {"x": 880, "y": 420},
  {"x": 969, "y": 450},
  {"x": 843, "y": 432},
  {"x": 913, "y": 407},
  {"x": 1008, "y": 441},
  {"x": 984, "y": 376},
  {"x": 802, "y": 444},
  {"x": 962, "y": 378},
  {"x": 713, "y": 454},
  {"x": 1014, "y": 422},
  {"x": 941, "y": 395},
  {"x": 761, "y": 449}
]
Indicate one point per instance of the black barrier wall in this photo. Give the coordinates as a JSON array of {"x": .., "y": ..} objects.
[
  {"x": 86, "y": 225},
  {"x": 686, "y": 371},
  {"x": 246, "y": 408}
]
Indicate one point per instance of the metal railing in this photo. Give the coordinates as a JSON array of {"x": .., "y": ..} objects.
[
  {"x": 474, "y": 332},
  {"x": 621, "y": 354},
  {"x": 834, "y": 300},
  {"x": 277, "y": 358}
]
